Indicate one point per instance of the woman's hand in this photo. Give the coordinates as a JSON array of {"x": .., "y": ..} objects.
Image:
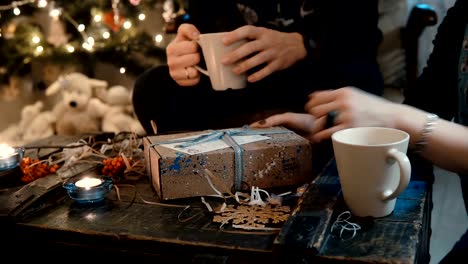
[
  {"x": 302, "y": 124},
  {"x": 354, "y": 108},
  {"x": 182, "y": 54},
  {"x": 277, "y": 50}
]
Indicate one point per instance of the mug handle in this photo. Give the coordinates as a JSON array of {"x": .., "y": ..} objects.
[
  {"x": 201, "y": 70},
  {"x": 405, "y": 174}
]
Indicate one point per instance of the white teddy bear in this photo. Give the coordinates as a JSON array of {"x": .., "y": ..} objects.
[
  {"x": 73, "y": 113},
  {"x": 33, "y": 125},
  {"x": 116, "y": 111},
  {"x": 40, "y": 127},
  {"x": 13, "y": 134}
]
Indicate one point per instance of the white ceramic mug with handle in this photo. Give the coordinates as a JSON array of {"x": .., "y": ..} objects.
[
  {"x": 373, "y": 168},
  {"x": 213, "y": 50}
]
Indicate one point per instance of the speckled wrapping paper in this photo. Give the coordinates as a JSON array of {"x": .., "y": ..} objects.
[{"x": 283, "y": 160}]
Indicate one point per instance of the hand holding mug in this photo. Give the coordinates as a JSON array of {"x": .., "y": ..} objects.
[
  {"x": 222, "y": 77},
  {"x": 182, "y": 54},
  {"x": 276, "y": 50}
]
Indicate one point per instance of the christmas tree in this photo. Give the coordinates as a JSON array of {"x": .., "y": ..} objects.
[{"x": 129, "y": 34}]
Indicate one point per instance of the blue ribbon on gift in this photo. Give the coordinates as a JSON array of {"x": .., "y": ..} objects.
[{"x": 227, "y": 136}]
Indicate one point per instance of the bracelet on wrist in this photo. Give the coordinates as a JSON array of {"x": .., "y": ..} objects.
[
  {"x": 428, "y": 128},
  {"x": 310, "y": 46}
]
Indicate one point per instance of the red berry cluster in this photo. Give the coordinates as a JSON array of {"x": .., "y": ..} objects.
[
  {"x": 33, "y": 169},
  {"x": 114, "y": 167}
]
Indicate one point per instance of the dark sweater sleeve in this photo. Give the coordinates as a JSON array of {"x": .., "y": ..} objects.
[
  {"x": 347, "y": 37},
  {"x": 214, "y": 15},
  {"x": 346, "y": 30},
  {"x": 436, "y": 88}
]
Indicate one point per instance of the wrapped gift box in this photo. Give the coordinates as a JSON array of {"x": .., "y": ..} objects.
[{"x": 274, "y": 157}]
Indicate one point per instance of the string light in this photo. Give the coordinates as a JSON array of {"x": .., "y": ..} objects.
[
  {"x": 16, "y": 11},
  {"x": 81, "y": 28},
  {"x": 90, "y": 40},
  {"x": 115, "y": 9},
  {"x": 55, "y": 13},
  {"x": 97, "y": 18},
  {"x": 16, "y": 4},
  {"x": 39, "y": 50},
  {"x": 88, "y": 43},
  {"x": 87, "y": 46},
  {"x": 158, "y": 38},
  {"x": 41, "y": 3},
  {"x": 127, "y": 24},
  {"x": 70, "y": 48},
  {"x": 36, "y": 39}
]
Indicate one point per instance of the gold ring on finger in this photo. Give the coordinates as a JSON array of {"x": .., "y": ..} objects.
[{"x": 187, "y": 74}]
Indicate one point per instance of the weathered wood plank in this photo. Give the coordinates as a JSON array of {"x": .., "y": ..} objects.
[
  {"x": 392, "y": 239},
  {"x": 47, "y": 146},
  {"x": 148, "y": 224},
  {"x": 383, "y": 242}
]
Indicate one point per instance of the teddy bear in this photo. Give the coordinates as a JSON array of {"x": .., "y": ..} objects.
[
  {"x": 13, "y": 134},
  {"x": 34, "y": 124},
  {"x": 73, "y": 113},
  {"x": 42, "y": 126},
  {"x": 116, "y": 110}
]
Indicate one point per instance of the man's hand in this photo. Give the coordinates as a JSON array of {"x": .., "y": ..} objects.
[
  {"x": 277, "y": 50},
  {"x": 182, "y": 54}
]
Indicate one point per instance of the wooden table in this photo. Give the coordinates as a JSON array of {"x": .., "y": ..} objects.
[
  {"x": 402, "y": 237},
  {"x": 52, "y": 225}
]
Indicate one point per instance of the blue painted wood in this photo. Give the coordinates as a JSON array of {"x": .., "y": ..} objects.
[{"x": 397, "y": 238}]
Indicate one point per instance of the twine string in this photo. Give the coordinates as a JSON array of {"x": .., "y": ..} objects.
[{"x": 343, "y": 224}]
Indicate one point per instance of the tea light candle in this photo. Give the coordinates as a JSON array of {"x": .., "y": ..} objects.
[
  {"x": 6, "y": 151},
  {"x": 10, "y": 157},
  {"x": 88, "y": 190},
  {"x": 88, "y": 183}
]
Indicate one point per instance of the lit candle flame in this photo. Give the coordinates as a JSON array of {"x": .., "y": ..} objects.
[
  {"x": 6, "y": 151},
  {"x": 87, "y": 183}
]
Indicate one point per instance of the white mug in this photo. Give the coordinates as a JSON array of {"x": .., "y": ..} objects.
[
  {"x": 373, "y": 168},
  {"x": 221, "y": 76}
]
